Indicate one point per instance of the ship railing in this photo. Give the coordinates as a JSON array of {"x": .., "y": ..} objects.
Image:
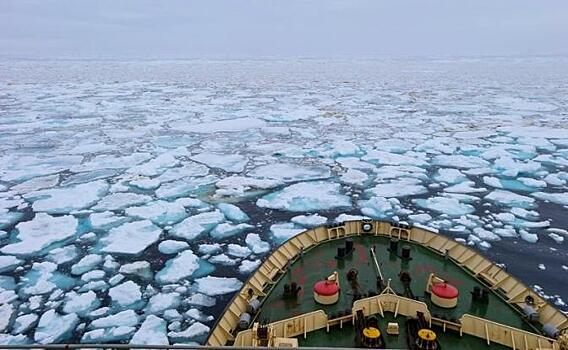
[
  {"x": 156, "y": 347},
  {"x": 303, "y": 324},
  {"x": 514, "y": 338}
]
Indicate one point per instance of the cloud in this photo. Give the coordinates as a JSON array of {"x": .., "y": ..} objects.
[{"x": 226, "y": 28}]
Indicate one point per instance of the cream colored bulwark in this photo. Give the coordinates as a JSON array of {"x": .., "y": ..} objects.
[
  {"x": 444, "y": 302},
  {"x": 326, "y": 299}
]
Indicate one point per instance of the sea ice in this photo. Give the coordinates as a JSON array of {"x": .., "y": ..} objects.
[
  {"x": 510, "y": 199},
  {"x": 450, "y": 176},
  {"x": 155, "y": 166},
  {"x": 117, "y": 201},
  {"x": 93, "y": 275},
  {"x": 348, "y": 217},
  {"x": 87, "y": 263},
  {"x": 182, "y": 266},
  {"x": 529, "y": 237},
  {"x": 223, "y": 259},
  {"x": 558, "y": 198},
  {"x": 233, "y": 213},
  {"x": 40, "y": 233},
  {"x": 213, "y": 286},
  {"x": 290, "y": 172},
  {"x": 187, "y": 170},
  {"x": 354, "y": 177},
  {"x": 248, "y": 266},
  {"x": 387, "y": 158},
  {"x": 185, "y": 187},
  {"x": 9, "y": 263},
  {"x": 137, "y": 268},
  {"x": 228, "y": 125},
  {"x": 309, "y": 221},
  {"x": 556, "y": 237},
  {"x": 229, "y": 162},
  {"x": 172, "y": 247},
  {"x": 23, "y": 323},
  {"x": 131, "y": 238},
  {"x": 145, "y": 183},
  {"x": 20, "y": 339},
  {"x": 193, "y": 332},
  {"x": 510, "y": 167},
  {"x": 207, "y": 248},
  {"x": 485, "y": 235},
  {"x": 465, "y": 187},
  {"x": 283, "y": 231},
  {"x": 66, "y": 199},
  {"x": 198, "y": 315},
  {"x": 108, "y": 335},
  {"x": 379, "y": 207},
  {"x": 196, "y": 225},
  {"x": 159, "y": 212},
  {"x": 420, "y": 218},
  {"x": 240, "y": 186},
  {"x": 162, "y": 302},
  {"x": 125, "y": 295},
  {"x": 80, "y": 304},
  {"x": 200, "y": 300},
  {"x": 55, "y": 328},
  {"x": 444, "y": 205},
  {"x": 306, "y": 196},
  {"x": 225, "y": 230},
  {"x": 398, "y": 188},
  {"x": 255, "y": 244},
  {"x": 6, "y": 312},
  {"x": 106, "y": 220},
  {"x": 151, "y": 332},
  {"x": 108, "y": 161},
  {"x": 238, "y": 251},
  {"x": 460, "y": 161}
]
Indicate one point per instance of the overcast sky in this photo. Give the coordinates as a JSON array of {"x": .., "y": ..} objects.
[{"x": 255, "y": 28}]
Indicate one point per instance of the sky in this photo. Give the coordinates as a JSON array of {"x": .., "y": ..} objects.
[{"x": 149, "y": 29}]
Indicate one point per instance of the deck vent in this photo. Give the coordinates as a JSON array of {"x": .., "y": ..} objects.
[{"x": 366, "y": 227}]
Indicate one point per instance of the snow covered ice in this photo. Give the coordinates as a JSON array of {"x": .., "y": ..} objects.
[{"x": 135, "y": 199}]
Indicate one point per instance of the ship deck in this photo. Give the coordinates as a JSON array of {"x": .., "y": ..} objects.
[{"x": 321, "y": 262}]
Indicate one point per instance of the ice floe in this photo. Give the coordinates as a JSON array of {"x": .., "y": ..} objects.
[
  {"x": 183, "y": 265},
  {"x": 213, "y": 286},
  {"x": 40, "y": 233},
  {"x": 172, "y": 247},
  {"x": 130, "y": 238},
  {"x": 196, "y": 225},
  {"x": 55, "y": 328},
  {"x": 233, "y": 213},
  {"x": 159, "y": 212},
  {"x": 229, "y": 162},
  {"x": 151, "y": 332},
  {"x": 306, "y": 196},
  {"x": 225, "y": 230},
  {"x": 256, "y": 244},
  {"x": 449, "y": 206},
  {"x": 125, "y": 295},
  {"x": 290, "y": 172},
  {"x": 67, "y": 199},
  {"x": 117, "y": 201}
]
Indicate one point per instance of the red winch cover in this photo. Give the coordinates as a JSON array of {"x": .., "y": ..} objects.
[
  {"x": 326, "y": 288},
  {"x": 445, "y": 291}
]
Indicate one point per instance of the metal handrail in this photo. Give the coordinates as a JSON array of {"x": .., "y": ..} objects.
[{"x": 158, "y": 347}]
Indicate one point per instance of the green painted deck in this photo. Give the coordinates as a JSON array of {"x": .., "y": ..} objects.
[
  {"x": 344, "y": 337},
  {"x": 320, "y": 262}
]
